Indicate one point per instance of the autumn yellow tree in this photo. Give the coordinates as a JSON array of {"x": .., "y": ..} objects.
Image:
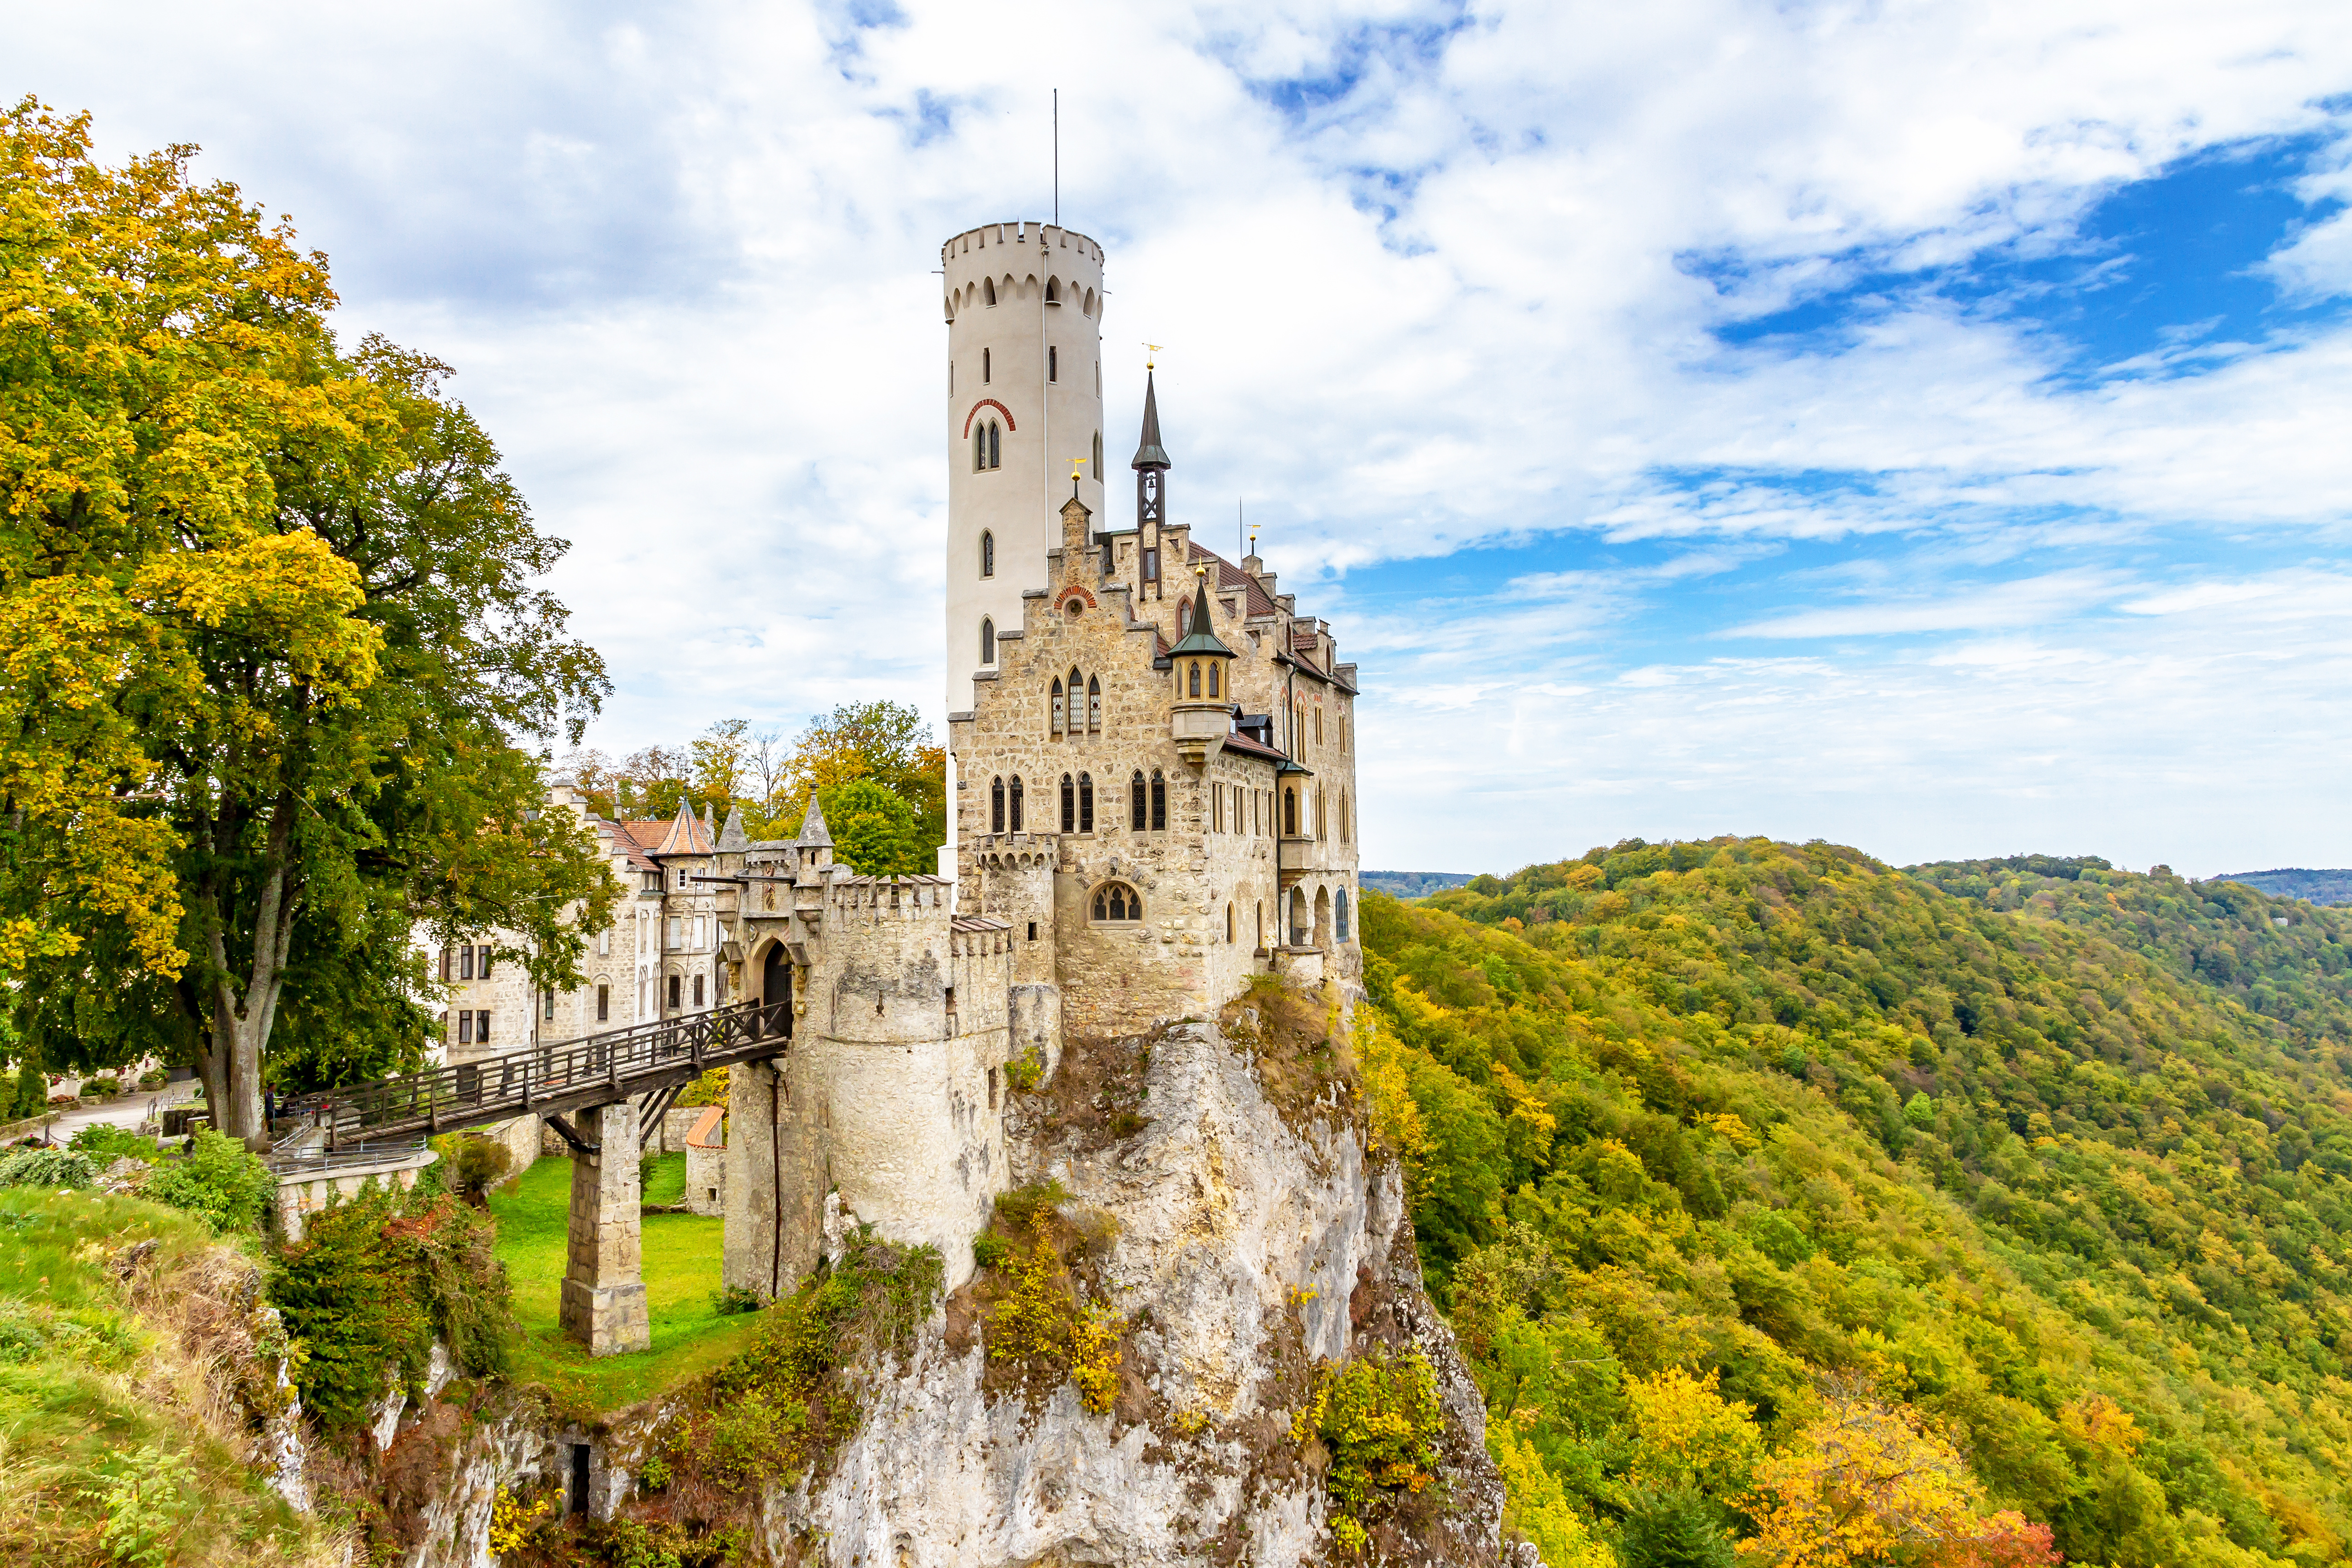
[
  {"x": 1869, "y": 1483},
  {"x": 267, "y": 636}
]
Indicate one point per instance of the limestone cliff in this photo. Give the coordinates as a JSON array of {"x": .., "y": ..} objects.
[{"x": 1242, "y": 1241}]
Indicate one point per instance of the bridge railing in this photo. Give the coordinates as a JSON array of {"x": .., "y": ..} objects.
[{"x": 470, "y": 1093}]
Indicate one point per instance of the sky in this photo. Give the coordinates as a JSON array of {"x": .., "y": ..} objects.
[{"x": 1925, "y": 427}]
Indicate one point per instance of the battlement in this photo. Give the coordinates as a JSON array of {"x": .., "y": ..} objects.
[
  {"x": 998, "y": 263},
  {"x": 875, "y": 897}
]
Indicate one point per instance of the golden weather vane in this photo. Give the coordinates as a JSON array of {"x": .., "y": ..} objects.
[
  {"x": 1150, "y": 353},
  {"x": 1078, "y": 468}
]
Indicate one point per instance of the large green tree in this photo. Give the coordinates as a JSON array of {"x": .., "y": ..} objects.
[{"x": 269, "y": 638}]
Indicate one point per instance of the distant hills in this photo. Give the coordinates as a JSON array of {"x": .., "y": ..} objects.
[
  {"x": 2295, "y": 882},
  {"x": 2049, "y": 1158},
  {"x": 1411, "y": 884}
]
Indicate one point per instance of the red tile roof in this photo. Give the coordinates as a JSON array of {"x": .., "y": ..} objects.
[{"x": 1230, "y": 577}]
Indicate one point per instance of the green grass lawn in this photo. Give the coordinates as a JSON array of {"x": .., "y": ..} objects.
[{"x": 681, "y": 1274}]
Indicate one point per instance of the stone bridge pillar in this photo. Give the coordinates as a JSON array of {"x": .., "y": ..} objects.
[{"x": 603, "y": 1287}]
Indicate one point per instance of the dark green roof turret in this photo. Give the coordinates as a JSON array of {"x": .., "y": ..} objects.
[{"x": 1201, "y": 641}]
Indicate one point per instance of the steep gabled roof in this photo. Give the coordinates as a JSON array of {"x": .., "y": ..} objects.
[
  {"x": 1231, "y": 578},
  {"x": 686, "y": 836}
]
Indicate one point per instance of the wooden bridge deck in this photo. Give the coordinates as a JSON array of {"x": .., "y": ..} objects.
[{"x": 650, "y": 1063}]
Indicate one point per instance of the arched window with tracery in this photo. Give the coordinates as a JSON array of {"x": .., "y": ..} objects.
[
  {"x": 1159, "y": 803},
  {"x": 987, "y": 553},
  {"x": 1078, "y": 703},
  {"x": 1069, "y": 803},
  {"x": 1136, "y": 802},
  {"x": 1116, "y": 903},
  {"x": 1094, "y": 704},
  {"x": 987, "y": 640},
  {"x": 996, "y": 804},
  {"x": 1086, "y": 803},
  {"x": 1056, "y": 721},
  {"x": 1016, "y": 803}
]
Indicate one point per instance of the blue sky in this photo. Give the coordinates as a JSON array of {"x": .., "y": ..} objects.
[{"x": 1920, "y": 427}]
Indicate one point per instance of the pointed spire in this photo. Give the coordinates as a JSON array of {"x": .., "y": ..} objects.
[
  {"x": 1201, "y": 638},
  {"x": 732, "y": 840},
  {"x": 1150, "y": 454},
  {"x": 813, "y": 833},
  {"x": 680, "y": 838}
]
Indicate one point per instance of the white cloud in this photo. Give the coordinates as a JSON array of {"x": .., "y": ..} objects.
[{"x": 1429, "y": 276}]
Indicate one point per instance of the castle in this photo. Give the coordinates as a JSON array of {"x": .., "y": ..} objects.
[{"x": 1152, "y": 797}]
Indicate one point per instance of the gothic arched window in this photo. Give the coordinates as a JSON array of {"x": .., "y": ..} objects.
[
  {"x": 996, "y": 445},
  {"x": 1339, "y": 915},
  {"x": 1016, "y": 803},
  {"x": 987, "y": 553},
  {"x": 987, "y": 640},
  {"x": 1195, "y": 685},
  {"x": 988, "y": 294},
  {"x": 1134, "y": 802},
  {"x": 1056, "y": 722},
  {"x": 996, "y": 804},
  {"x": 1116, "y": 903},
  {"x": 1212, "y": 677},
  {"x": 1086, "y": 803},
  {"x": 1078, "y": 703},
  {"x": 1069, "y": 805},
  {"x": 1094, "y": 704},
  {"x": 1290, "y": 814},
  {"x": 1159, "y": 803}
]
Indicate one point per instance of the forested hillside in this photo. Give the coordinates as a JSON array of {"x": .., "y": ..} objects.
[{"x": 1785, "y": 1198}]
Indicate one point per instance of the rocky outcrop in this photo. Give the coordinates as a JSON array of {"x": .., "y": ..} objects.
[{"x": 1246, "y": 1243}]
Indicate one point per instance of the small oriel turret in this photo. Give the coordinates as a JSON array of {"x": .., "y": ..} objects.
[{"x": 1201, "y": 715}]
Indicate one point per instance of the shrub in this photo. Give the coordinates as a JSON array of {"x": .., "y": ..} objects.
[
  {"x": 375, "y": 1282},
  {"x": 103, "y": 1139},
  {"x": 45, "y": 1168},
  {"x": 153, "y": 1080},
  {"x": 104, "y": 1088},
  {"x": 32, "y": 1090},
  {"x": 1676, "y": 1529},
  {"x": 731, "y": 1299},
  {"x": 476, "y": 1165},
  {"x": 781, "y": 1404},
  {"x": 1025, "y": 1071},
  {"x": 1379, "y": 1418},
  {"x": 220, "y": 1181}
]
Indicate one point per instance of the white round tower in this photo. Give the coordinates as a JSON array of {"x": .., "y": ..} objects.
[{"x": 1024, "y": 305}]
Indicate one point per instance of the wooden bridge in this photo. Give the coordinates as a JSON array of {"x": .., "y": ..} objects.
[
  {"x": 602, "y": 1092},
  {"x": 650, "y": 1065}
]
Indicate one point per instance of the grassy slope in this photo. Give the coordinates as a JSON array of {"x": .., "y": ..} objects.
[
  {"x": 681, "y": 1265},
  {"x": 1782, "y": 1111},
  {"x": 93, "y": 1397}
]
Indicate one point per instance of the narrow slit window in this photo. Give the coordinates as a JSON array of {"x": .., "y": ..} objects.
[
  {"x": 1136, "y": 802},
  {"x": 1016, "y": 803},
  {"x": 1055, "y": 722},
  {"x": 996, "y": 804},
  {"x": 987, "y": 553},
  {"x": 987, "y": 640},
  {"x": 1069, "y": 803},
  {"x": 1159, "y": 803},
  {"x": 1052, "y": 363},
  {"x": 1086, "y": 803},
  {"x": 1094, "y": 705}
]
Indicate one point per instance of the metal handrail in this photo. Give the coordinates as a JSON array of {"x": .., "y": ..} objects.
[{"x": 592, "y": 1069}]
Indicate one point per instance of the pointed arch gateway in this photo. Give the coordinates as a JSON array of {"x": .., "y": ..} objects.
[{"x": 776, "y": 985}]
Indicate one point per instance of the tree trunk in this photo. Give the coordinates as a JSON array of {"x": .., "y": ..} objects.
[{"x": 241, "y": 1022}]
